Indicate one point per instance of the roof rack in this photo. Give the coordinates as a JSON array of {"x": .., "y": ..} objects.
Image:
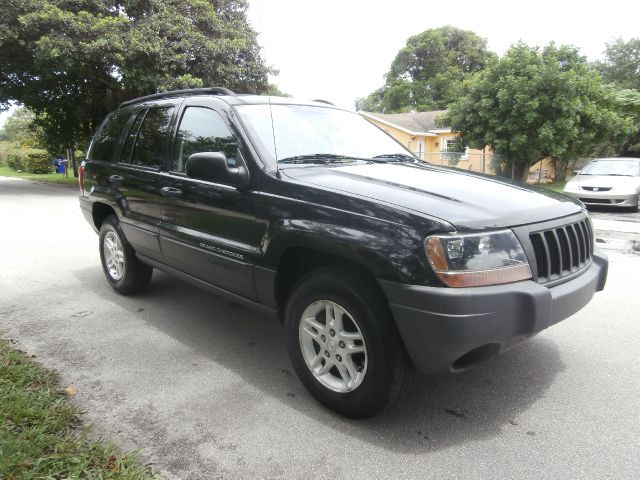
[{"x": 175, "y": 93}]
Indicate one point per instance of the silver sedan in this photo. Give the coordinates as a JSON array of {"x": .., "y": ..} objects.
[{"x": 613, "y": 182}]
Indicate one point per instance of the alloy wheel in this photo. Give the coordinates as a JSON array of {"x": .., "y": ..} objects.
[
  {"x": 333, "y": 346},
  {"x": 113, "y": 255}
]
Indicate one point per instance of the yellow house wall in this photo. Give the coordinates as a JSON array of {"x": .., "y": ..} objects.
[
  {"x": 547, "y": 174},
  {"x": 472, "y": 162},
  {"x": 403, "y": 137},
  {"x": 432, "y": 146}
]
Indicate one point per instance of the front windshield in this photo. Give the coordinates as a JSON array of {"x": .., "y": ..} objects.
[
  {"x": 303, "y": 130},
  {"x": 613, "y": 167}
]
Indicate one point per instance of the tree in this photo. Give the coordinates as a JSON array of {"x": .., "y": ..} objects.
[
  {"x": 20, "y": 129},
  {"x": 427, "y": 73},
  {"x": 628, "y": 101},
  {"x": 621, "y": 69},
  {"x": 621, "y": 64},
  {"x": 535, "y": 103},
  {"x": 72, "y": 61}
]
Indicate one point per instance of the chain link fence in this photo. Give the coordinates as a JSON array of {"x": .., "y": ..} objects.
[{"x": 475, "y": 162}]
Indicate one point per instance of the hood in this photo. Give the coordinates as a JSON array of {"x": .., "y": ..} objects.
[{"x": 464, "y": 199}]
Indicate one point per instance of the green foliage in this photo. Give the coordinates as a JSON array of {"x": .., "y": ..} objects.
[
  {"x": 621, "y": 64},
  {"x": 621, "y": 69},
  {"x": 39, "y": 437},
  {"x": 31, "y": 160},
  {"x": 71, "y": 62},
  {"x": 20, "y": 128},
  {"x": 427, "y": 73},
  {"x": 38, "y": 161},
  {"x": 628, "y": 102},
  {"x": 535, "y": 103},
  {"x": 15, "y": 159}
]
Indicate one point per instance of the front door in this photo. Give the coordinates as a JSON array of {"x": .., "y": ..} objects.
[{"x": 208, "y": 229}]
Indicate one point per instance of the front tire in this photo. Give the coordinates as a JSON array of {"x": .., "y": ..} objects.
[
  {"x": 124, "y": 272},
  {"x": 343, "y": 343}
]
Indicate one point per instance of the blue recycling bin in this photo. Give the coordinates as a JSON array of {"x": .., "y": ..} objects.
[{"x": 60, "y": 164}]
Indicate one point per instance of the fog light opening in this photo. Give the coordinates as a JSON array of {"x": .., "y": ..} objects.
[{"x": 475, "y": 356}]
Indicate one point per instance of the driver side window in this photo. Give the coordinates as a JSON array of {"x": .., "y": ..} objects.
[{"x": 202, "y": 130}]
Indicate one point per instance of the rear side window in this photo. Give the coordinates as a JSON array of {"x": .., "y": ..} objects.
[
  {"x": 106, "y": 138},
  {"x": 127, "y": 148},
  {"x": 202, "y": 130},
  {"x": 147, "y": 138}
]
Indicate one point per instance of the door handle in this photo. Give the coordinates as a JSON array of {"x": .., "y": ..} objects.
[
  {"x": 170, "y": 192},
  {"x": 116, "y": 179}
]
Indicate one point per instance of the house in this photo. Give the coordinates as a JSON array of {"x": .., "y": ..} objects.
[{"x": 419, "y": 132}]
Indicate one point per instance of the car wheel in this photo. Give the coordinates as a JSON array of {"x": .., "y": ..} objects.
[
  {"x": 124, "y": 272},
  {"x": 343, "y": 343}
]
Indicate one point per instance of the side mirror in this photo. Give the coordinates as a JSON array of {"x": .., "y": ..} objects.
[
  {"x": 576, "y": 171},
  {"x": 213, "y": 167}
]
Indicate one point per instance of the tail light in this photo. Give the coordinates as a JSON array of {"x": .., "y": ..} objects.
[{"x": 81, "y": 178}]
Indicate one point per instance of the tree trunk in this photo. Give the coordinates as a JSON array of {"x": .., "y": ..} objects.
[
  {"x": 72, "y": 161},
  {"x": 520, "y": 171}
]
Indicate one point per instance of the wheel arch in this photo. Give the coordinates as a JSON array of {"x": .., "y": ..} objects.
[
  {"x": 100, "y": 211},
  {"x": 296, "y": 261}
]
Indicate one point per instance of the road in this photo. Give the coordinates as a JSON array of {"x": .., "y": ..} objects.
[{"x": 206, "y": 390}]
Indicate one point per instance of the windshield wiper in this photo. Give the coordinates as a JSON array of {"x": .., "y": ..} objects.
[
  {"x": 317, "y": 158},
  {"x": 395, "y": 156},
  {"x": 326, "y": 158},
  {"x": 617, "y": 175}
]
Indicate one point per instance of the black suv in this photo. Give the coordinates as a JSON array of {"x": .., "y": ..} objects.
[{"x": 378, "y": 263}]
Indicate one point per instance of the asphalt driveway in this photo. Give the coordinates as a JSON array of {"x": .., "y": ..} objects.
[{"x": 206, "y": 390}]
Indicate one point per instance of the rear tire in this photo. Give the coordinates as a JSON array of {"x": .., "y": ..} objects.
[
  {"x": 321, "y": 344},
  {"x": 124, "y": 272}
]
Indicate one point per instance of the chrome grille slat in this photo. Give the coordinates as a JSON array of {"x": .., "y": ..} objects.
[{"x": 562, "y": 250}]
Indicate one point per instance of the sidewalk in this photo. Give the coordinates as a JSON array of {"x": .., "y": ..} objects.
[
  {"x": 615, "y": 226},
  {"x": 617, "y": 235}
]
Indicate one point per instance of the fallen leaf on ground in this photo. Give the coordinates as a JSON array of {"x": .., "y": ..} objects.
[{"x": 71, "y": 390}]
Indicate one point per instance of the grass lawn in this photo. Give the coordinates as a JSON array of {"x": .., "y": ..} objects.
[
  {"x": 42, "y": 177},
  {"x": 40, "y": 436},
  {"x": 555, "y": 186}
]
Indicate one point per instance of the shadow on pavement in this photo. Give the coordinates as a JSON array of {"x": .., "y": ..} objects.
[{"x": 443, "y": 410}]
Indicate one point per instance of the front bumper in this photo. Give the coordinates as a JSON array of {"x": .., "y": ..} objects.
[
  {"x": 607, "y": 199},
  {"x": 441, "y": 325}
]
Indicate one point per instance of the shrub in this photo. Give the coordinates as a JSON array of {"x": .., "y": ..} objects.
[
  {"x": 5, "y": 149},
  {"x": 38, "y": 161},
  {"x": 15, "y": 159}
]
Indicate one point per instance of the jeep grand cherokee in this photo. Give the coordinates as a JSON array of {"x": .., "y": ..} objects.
[{"x": 378, "y": 264}]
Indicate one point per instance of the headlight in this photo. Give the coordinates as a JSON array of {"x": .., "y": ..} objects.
[
  {"x": 571, "y": 186},
  {"x": 478, "y": 259}
]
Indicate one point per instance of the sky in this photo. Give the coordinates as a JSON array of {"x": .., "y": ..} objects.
[{"x": 339, "y": 50}]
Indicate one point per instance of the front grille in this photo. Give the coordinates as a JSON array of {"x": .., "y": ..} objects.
[
  {"x": 597, "y": 189},
  {"x": 595, "y": 200},
  {"x": 560, "y": 251}
]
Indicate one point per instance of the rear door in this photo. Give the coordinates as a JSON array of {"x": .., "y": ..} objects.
[
  {"x": 137, "y": 176},
  {"x": 208, "y": 228}
]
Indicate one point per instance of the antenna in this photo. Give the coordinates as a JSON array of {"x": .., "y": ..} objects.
[{"x": 264, "y": 48}]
